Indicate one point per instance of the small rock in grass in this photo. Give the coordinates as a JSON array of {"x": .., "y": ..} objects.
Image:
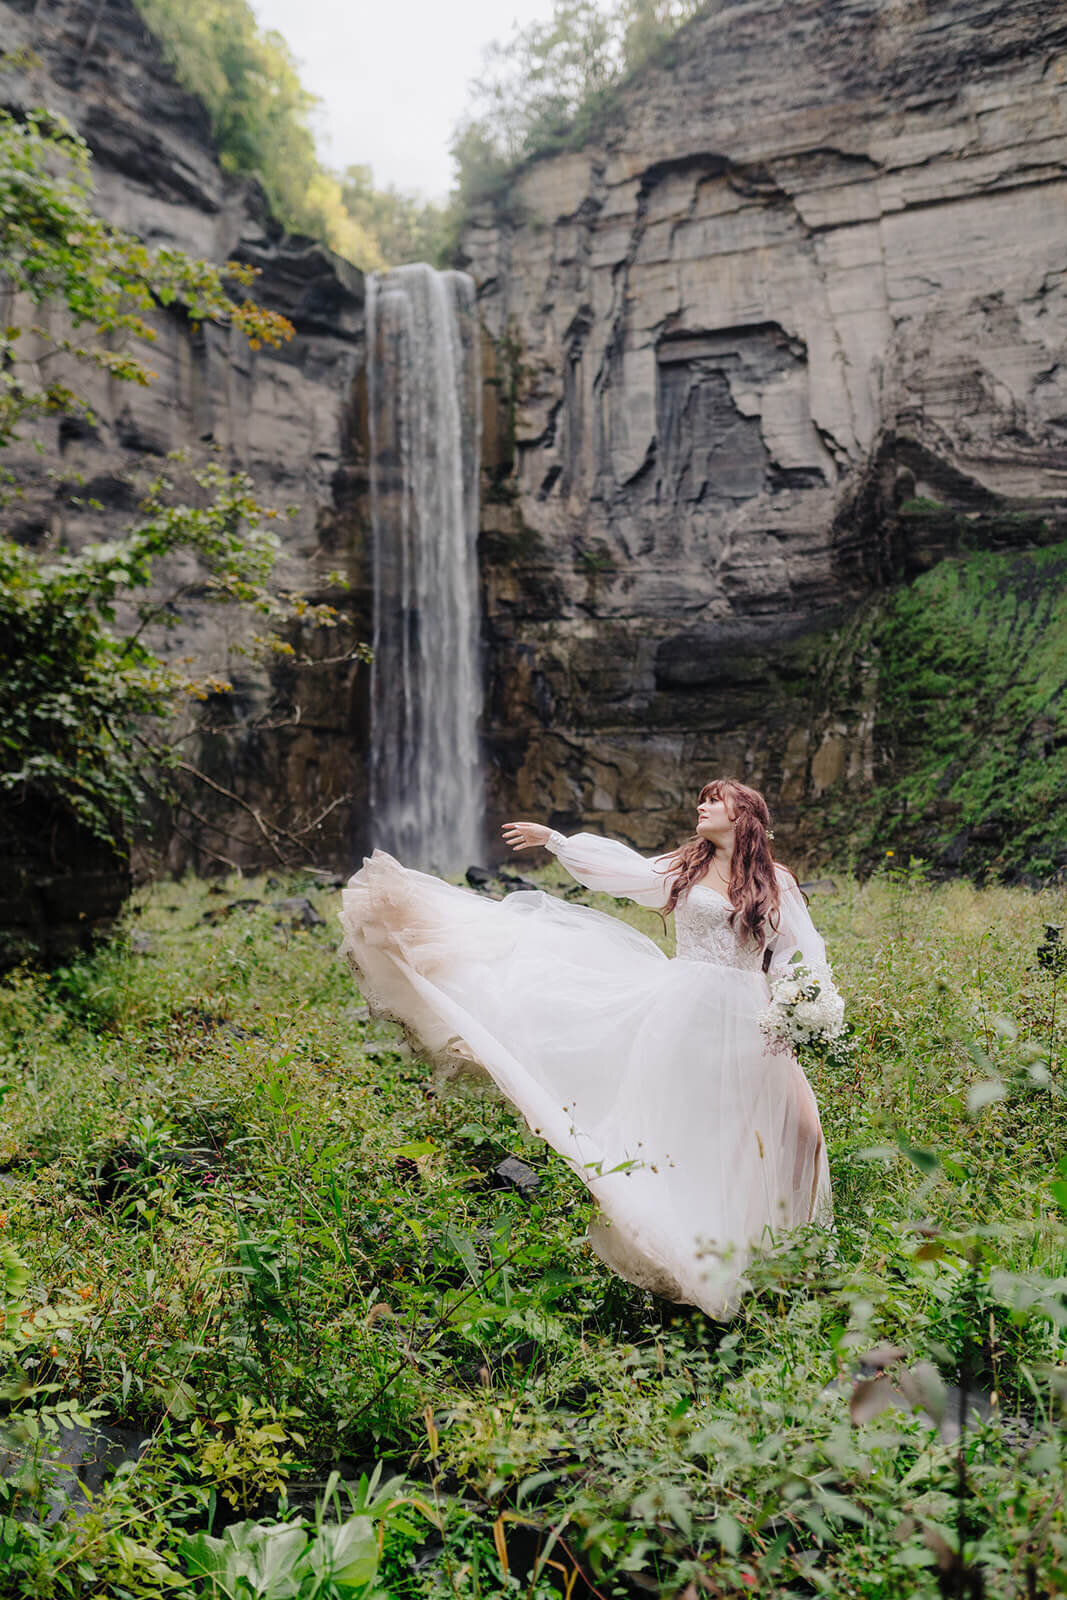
[
  {"x": 479, "y": 877},
  {"x": 515, "y": 1174},
  {"x": 514, "y": 880},
  {"x": 235, "y": 1031},
  {"x": 140, "y": 942},
  {"x": 301, "y": 911},
  {"x": 331, "y": 880}
]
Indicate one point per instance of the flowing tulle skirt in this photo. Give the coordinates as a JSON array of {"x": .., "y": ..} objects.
[{"x": 648, "y": 1075}]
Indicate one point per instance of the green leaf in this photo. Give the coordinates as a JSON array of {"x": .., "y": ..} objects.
[
  {"x": 926, "y": 1160},
  {"x": 537, "y": 1480},
  {"x": 729, "y": 1532},
  {"x": 349, "y": 1552},
  {"x": 463, "y": 1245}
]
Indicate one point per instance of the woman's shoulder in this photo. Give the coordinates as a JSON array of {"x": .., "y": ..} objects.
[{"x": 787, "y": 879}]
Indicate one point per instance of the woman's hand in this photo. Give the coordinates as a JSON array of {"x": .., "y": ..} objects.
[{"x": 525, "y": 835}]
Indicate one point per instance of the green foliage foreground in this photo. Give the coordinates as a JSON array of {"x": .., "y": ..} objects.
[{"x": 238, "y": 1215}]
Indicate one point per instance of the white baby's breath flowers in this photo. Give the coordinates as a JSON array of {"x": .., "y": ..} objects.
[{"x": 805, "y": 1010}]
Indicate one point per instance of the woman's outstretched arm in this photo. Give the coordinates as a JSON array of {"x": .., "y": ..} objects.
[{"x": 601, "y": 864}]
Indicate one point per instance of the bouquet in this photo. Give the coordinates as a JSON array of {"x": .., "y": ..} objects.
[{"x": 806, "y": 1012}]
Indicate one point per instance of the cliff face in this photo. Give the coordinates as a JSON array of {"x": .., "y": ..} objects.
[
  {"x": 786, "y": 332},
  {"x": 290, "y": 743},
  {"x": 788, "y": 328}
]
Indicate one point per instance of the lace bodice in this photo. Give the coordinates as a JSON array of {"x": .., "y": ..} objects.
[{"x": 702, "y": 923}]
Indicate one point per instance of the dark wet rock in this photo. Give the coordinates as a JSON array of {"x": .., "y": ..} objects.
[
  {"x": 744, "y": 368},
  {"x": 61, "y": 889},
  {"x": 514, "y": 880},
  {"x": 125, "y": 1170},
  {"x": 428, "y": 1554},
  {"x": 300, "y": 910},
  {"x": 209, "y": 1022},
  {"x": 235, "y": 1031},
  {"x": 480, "y": 1374},
  {"x": 511, "y": 1173},
  {"x": 73, "y": 1468},
  {"x": 954, "y": 852},
  {"x": 479, "y": 877}
]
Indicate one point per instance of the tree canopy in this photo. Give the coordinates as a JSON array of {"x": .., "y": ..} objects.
[
  {"x": 537, "y": 91},
  {"x": 260, "y": 114},
  {"x": 540, "y": 89}
]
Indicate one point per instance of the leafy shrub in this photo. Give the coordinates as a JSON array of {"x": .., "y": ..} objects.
[{"x": 88, "y": 693}]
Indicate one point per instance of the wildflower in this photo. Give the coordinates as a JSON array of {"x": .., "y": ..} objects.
[{"x": 890, "y": 852}]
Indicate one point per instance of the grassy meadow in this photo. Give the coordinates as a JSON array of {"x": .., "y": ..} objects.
[{"x": 239, "y": 1221}]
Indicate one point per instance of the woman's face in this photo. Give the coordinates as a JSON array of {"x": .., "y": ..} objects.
[{"x": 713, "y": 818}]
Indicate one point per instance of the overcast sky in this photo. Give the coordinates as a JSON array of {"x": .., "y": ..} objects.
[{"x": 392, "y": 76}]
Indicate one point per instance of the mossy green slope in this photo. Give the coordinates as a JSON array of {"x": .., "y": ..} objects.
[{"x": 970, "y": 716}]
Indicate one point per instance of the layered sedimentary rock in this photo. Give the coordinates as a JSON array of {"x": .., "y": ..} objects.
[
  {"x": 790, "y": 326},
  {"x": 788, "y": 329},
  {"x": 289, "y": 742}
]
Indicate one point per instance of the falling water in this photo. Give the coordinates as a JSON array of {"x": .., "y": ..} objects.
[{"x": 423, "y": 383}]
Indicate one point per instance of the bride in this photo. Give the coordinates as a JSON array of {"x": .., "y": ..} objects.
[{"x": 650, "y": 1076}]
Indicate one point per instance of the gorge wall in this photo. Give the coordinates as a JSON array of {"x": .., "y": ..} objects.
[
  {"x": 783, "y": 334},
  {"x": 291, "y": 741},
  {"x": 787, "y": 329}
]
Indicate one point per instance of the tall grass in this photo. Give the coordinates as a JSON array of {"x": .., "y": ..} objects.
[{"x": 239, "y": 1215}]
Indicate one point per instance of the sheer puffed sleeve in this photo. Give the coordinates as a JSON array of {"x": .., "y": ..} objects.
[
  {"x": 796, "y": 931},
  {"x": 613, "y": 868}
]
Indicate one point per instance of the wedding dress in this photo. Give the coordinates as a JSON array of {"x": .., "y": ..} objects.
[{"x": 649, "y": 1075}]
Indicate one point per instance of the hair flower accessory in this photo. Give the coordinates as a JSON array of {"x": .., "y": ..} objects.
[{"x": 770, "y": 833}]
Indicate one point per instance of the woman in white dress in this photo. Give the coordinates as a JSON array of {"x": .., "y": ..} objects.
[{"x": 650, "y": 1076}]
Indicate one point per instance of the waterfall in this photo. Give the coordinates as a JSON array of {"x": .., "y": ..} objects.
[{"x": 424, "y": 405}]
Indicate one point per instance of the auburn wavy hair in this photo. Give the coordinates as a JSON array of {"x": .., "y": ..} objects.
[{"x": 753, "y": 884}]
